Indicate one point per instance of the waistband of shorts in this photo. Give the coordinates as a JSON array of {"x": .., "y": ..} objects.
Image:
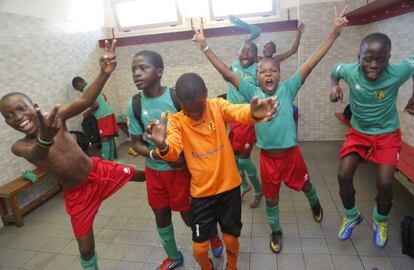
[
  {"x": 284, "y": 153},
  {"x": 84, "y": 181},
  {"x": 397, "y": 131}
]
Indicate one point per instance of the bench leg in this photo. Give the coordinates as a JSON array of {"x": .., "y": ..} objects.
[
  {"x": 14, "y": 203},
  {"x": 3, "y": 211}
]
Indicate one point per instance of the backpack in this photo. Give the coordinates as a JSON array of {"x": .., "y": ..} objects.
[
  {"x": 90, "y": 127},
  {"x": 82, "y": 139},
  {"x": 407, "y": 236},
  {"x": 137, "y": 106}
]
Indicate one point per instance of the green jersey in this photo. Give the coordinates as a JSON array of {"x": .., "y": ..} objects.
[
  {"x": 249, "y": 74},
  {"x": 374, "y": 103},
  {"x": 280, "y": 132},
  {"x": 151, "y": 109},
  {"x": 104, "y": 108}
]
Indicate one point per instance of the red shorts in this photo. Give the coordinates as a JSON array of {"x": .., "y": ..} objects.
[
  {"x": 107, "y": 126},
  {"x": 381, "y": 149},
  {"x": 82, "y": 201},
  {"x": 242, "y": 137},
  {"x": 288, "y": 167},
  {"x": 168, "y": 189}
]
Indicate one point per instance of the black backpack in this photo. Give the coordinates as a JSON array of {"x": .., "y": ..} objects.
[
  {"x": 90, "y": 127},
  {"x": 407, "y": 236},
  {"x": 82, "y": 139},
  {"x": 137, "y": 107}
]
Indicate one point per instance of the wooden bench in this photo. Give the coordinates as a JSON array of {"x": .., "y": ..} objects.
[
  {"x": 405, "y": 166},
  {"x": 9, "y": 192}
]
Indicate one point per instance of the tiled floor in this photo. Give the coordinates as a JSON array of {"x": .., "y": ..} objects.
[{"x": 126, "y": 237}]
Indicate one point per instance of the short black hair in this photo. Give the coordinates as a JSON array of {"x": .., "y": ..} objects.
[
  {"x": 270, "y": 59},
  {"x": 153, "y": 57},
  {"x": 377, "y": 37},
  {"x": 77, "y": 80},
  {"x": 11, "y": 94},
  {"x": 271, "y": 42},
  {"x": 190, "y": 86},
  {"x": 251, "y": 42}
]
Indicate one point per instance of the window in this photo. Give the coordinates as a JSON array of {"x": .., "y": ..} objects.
[
  {"x": 141, "y": 14},
  {"x": 220, "y": 9}
]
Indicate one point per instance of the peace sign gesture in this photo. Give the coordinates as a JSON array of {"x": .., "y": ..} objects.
[
  {"x": 108, "y": 59},
  {"x": 340, "y": 20},
  {"x": 198, "y": 37}
]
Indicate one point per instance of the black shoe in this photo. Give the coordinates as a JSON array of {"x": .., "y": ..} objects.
[
  {"x": 317, "y": 212},
  {"x": 276, "y": 242}
]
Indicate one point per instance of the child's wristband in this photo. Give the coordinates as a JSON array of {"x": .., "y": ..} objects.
[
  {"x": 43, "y": 144},
  {"x": 205, "y": 49},
  {"x": 164, "y": 149},
  {"x": 151, "y": 154}
]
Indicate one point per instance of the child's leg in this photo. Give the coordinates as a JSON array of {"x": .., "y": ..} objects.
[
  {"x": 310, "y": 192},
  {"x": 232, "y": 250},
  {"x": 272, "y": 216},
  {"x": 385, "y": 179},
  {"x": 106, "y": 148},
  {"x": 244, "y": 185},
  {"x": 346, "y": 173},
  {"x": 247, "y": 165},
  {"x": 201, "y": 255},
  {"x": 166, "y": 233},
  {"x": 88, "y": 257}
]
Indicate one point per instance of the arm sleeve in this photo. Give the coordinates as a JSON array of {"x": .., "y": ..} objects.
[
  {"x": 338, "y": 71},
  {"x": 293, "y": 84},
  {"x": 247, "y": 89},
  {"x": 174, "y": 140},
  {"x": 407, "y": 66},
  {"x": 133, "y": 127},
  {"x": 235, "y": 113}
]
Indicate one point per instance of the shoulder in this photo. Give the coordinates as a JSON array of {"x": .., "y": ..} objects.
[{"x": 17, "y": 146}]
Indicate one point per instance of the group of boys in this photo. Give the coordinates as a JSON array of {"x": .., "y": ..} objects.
[{"x": 193, "y": 167}]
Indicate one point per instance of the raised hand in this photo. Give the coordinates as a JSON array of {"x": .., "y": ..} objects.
[
  {"x": 198, "y": 37},
  {"x": 49, "y": 123},
  {"x": 156, "y": 130},
  {"x": 263, "y": 110},
  {"x": 340, "y": 20},
  {"x": 336, "y": 94},
  {"x": 410, "y": 106},
  {"x": 108, "y": 59},
  {"x": 301, "y": 27}
]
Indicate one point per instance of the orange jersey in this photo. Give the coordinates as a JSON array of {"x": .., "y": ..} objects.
[{"x": 206, "y": 147}]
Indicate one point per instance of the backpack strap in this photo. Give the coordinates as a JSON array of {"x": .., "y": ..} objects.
[
  {"x": 137, "y": 109},
  {"x": 174, "y": 99}
]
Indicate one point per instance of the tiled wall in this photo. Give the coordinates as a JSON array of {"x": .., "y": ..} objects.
[{"x": 40, "y": 58}]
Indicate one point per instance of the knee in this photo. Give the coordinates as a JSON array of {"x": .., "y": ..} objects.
[
  {"x": 200, "y": 248},
  {"x": 272, "y": 202}
]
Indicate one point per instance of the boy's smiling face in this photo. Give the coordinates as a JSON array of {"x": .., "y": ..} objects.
[
  {"x": 19, "y": 113},
  {"x": 268, "y": 75},
  {"x": 269, "y": 49},
  {"x": 145, "y": 74},
  {"x": 373, "y": 58}
]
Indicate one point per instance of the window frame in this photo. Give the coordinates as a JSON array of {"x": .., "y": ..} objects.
[
  {"x": 273, "y": 12},
  {"x": 166, "y": 24}
]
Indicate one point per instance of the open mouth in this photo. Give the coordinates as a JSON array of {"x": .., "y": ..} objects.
[
  {"x": 269, "y": 83},
  {"x": 26, "y": 125}
]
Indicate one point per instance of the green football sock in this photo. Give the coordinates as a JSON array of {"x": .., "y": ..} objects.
[
  {"x": 272, "y": 216},
  {"x": 112, "y": 149},
  {"x": 92, "y": 264},
  {"x": 105, "y": 150},
  {"x": 378, "y": 218},
  {"x": 168, "y": 242},
  {"x": 244, "y": 184},
  {"x": 352, "y": 213},
  {"x": 247, "y": 165},
  {"x": 312, "y": 196}
]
